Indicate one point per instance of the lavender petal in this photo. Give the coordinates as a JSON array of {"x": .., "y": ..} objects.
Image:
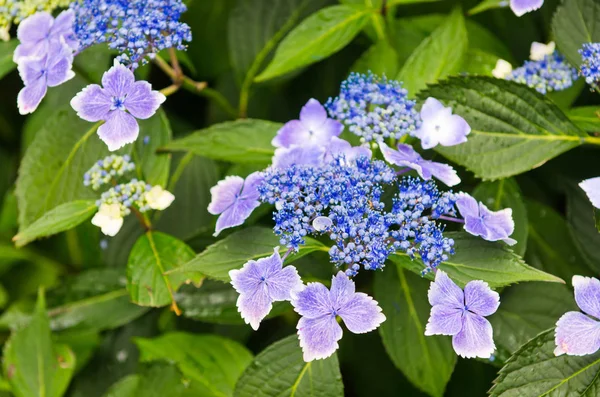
[
  {"x": 118, "y": 81},
  {"x": 444, "y": 320},
  {"x": 587, "y": 294},
  {"x": 318, "y": 337},
  {"x": 521, "y": 7},
  {"x": 576, "y": 335},
  {"x": 142, "y": 102},
  {"x": 591, "y": 187},
  {"x": 313, "y": 301},
  {"x": 120, "y": 129},
  {"x": 480, "y": 298},
  {"x": 475, "y": 338},
  {"x": 92, "y": 103},
  {"x": 224, "y": 194},
  {"x": 361, "y": 313},
  {"x": 443, "y": 291},
  {"x": 30, "y": 96}
]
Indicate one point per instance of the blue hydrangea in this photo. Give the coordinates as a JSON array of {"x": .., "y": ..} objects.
[
  {"x": 138, "y": 29},
  {"x": 553, "y": 73},
  {"x": 590, "y": 66},
  {"x": 374, "y": 108},
  {"x": 344, "y": 201}
]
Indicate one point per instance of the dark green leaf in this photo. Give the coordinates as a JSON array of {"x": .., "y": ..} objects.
[
  {"x": 280, "y": 371},
  {"x": 477, "y": 259},
  {"x": 380, "y": 58},
  {"x": 550, "y": 246},
  {"x": 580, "y": 215},
  {"x": 438, "y": 56},
  {"x": 60, "y": 218},
  {"x": 576, "y": 22},
  {"x": 526, "y": 310},
  {"x": 318, "y": 36},
  {"x": 514, "y": 128},
  {"x": 152, "y": 255},
  {"x": 586, "y": 117},
  {"x": 506, "y": 193},
  {"x": 534, "y": 370},
  {"x": 238, "y": 248},
  {"x": 6, "y": 57},
  {"x": 156, "y": 131},
  {"x": 34, "y": 366},
  {"x": 242, "y": 141},
  {"x": 427, "y": 362},
  {"x": 211, "y": 361}
]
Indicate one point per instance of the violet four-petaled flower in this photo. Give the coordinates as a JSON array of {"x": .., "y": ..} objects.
[
  {"x": 521, "y": 7},
  {"x": 406, "y": 156},
  {"x": 591, "y": 187},
  {"x": 480, "y": 221},
  {"x": 461, "y": 314},
  {"x": 313, "y": 127},
  {"x": 318, "y": 329},
  {"x": 234, "y": 199},
  {"x": 578, "y": 334},
  {"x": 119, "y": 103},
  {"x": 440, "y": 126},
  {"x": 262, "y": 282}
]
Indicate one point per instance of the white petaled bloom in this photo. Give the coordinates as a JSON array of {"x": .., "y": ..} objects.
[
  {"x": 502, "y": 69},
  {"x": 440, "y": 127},
  {"x": 539, "y": 51},
  {"x": 109, "y": 219},
  {"x": 159, "y": 198}
]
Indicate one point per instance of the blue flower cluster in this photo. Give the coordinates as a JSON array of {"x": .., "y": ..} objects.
[
  {"x": 590, "y": 67},
  {"x": 553, "y": 73},
  {"x": 136, "y": 28},
  {"x": 374, "y": 108},
  {"x": 127, "y": 195},
  {"x": 343, "y": 201},
  {"x": 107, "y": 170}
]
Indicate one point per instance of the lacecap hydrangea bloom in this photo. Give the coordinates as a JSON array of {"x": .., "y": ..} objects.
[
  {"x": 374, "y": 108},
  {"x": 118, "y": 103},
  {"x": 577, "y": 333},
  {"x": 138, "y": 29},
  {"x": 552, "y": 73},
  {"x": 590, "y": 65}
]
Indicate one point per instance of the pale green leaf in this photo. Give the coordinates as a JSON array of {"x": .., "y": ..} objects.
[
  {"x": 315, "y": 38},
  {"x": 438, "y": 56},
  {"x": 576, "y": 22},
  {"x": 6, "y": 57},
  {"x": 586, "y": 117},
  {"x": 63, "y": 217},
  {"x": 380, "y": 58},
  {"x": 238, "y": 248},
  {"x": 279, "y": 370},
  {"x": 426, "y": 361},
  {"x": 582, "y": 225},
  {"x": 513, "y": 128},
  {"x": 154, "y": 133}
]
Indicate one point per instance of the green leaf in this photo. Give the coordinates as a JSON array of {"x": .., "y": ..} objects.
[
  {"x": 63, "y": 217},
  {"x": 380, "y": 58},
  {"x": 576, "y": 22},
  {"x": 317, "y": 37},
  {"x": 514, "y": 128},
  {"x": 486, "y": 5},
  {"x": 527, "y": 310},
  {"x": 534, "y": 370},
  {"x": 477, "y": 259},
  {"x": 241, "y": 141},
  {"x": 156, "y": 131},
  {"x": 438, "y": 56},
  {"x": 6, "y": 57},
  {"x": 550, "y": 246},
  {"x": 506, "y": 193},
  {"x": 152, "y": 255},
  {"x": 215, "y": 302},
  {"x": 32, "y": 365},
  {"x": 279, "y": 370},
  {"x": 427, "y": 362},
  {"x": 127, "y": 386},
  {"x": 238, "y": 248},
  {"x": 478, "y": 62},
  {"x": 190, "y": 183},
  {"x": 582, "y": 225},
  {"x": 586, "y": 117},
  {"x": 212, "y": 361}
]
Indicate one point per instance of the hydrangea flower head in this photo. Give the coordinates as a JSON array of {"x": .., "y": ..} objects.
[
  {"x": 107, "y": 170},
  {"x": 38, "y": 74},
  {"x": 109, "y": 218},
  {"x": 502, "y": 70},
  {"x": 136, "y": 28},
  {"x": 590, "y": 66},
  {"x": 234, "y": 199},
  {"x": 318, "y": 329},
  {"x": 578, "y": 334},
  {"x": 462, "y": 315},
  {"x": 41, "y": 34},
  {"x": 552, "y": 73},
  {"x": 119, "y": 102},
  {"x": 538, "y": 51},
  {"x": 521, "y": 7},
  {"x": 591, "y": 187},
  {"x": 313, "y": 127},
  {"x": 440, "y": 127},
  {"x": 480, "y": 221},
  {"x": 374, "y": 108},
  {"x": 262, "y": 282},
  {"x": 406, "y": 156}
]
